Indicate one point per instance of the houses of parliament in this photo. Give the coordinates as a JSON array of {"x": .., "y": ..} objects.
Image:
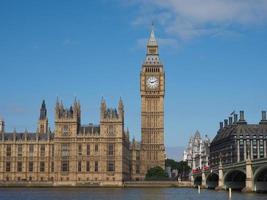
[{"x": 76, "y": 154}]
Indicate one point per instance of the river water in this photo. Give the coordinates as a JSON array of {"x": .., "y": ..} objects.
[{"x": 121, "y": 193}]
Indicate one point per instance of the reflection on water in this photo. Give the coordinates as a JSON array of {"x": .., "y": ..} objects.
[{"x": 120, "y": 193}]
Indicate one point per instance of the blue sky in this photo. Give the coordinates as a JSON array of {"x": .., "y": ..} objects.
[{"x": 214, "y": 54}]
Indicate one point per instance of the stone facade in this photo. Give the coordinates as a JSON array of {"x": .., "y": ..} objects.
[
  {"x": 76, "y": 154},
  {"x": 152, "y": 89},
  {"x": 238, "y": 141},
  {"x": 197, "y": 152},
  {"x": 73, "y": 154}
]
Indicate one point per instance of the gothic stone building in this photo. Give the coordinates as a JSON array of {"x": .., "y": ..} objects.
[
  {"x": 237, "y": 141},
  {"x": 76, "y": 154},
  {"x": 197, "y": 152},
  {"x": 73, "y": 153}
]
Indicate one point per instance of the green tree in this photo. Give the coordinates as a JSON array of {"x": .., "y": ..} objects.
[
  {"x": 182, "y": 168},
  {"x": 156, "y": 173}
]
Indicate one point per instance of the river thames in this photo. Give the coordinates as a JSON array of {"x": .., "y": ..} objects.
[{"x": 121, "y": 193}]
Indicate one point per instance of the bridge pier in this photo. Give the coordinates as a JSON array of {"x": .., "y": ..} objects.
[
  {"x": 204, "y": 185},
  {"x": 249, "y": 177},
  {"x": 221, "y": 178}
]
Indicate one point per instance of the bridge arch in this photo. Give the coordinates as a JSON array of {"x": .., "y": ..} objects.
[
  {"x": 212, "y": 180},
  {"x": 235, "y": 179},
  {"x": 260, "y": 179},
  {"x": 198, "y": 180}
]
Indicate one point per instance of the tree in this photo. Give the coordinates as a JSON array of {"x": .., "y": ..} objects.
[
  {"x": 156, "y": 173},
  {"x": 182, "y": 167}
]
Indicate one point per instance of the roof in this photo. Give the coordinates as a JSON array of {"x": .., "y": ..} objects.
[
  {"x": 241, "y": 130},
  {"x": 197, "y": 135},
  {"x": 26, "y": 135},
  {"x": 152, "y": 39}
]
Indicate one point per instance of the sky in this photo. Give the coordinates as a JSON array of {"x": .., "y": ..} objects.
[{"x": 214, "y": 54}]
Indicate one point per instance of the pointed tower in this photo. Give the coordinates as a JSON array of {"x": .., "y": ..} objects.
[
  {"x": 103, "y": 108},
  {"x": 152, "y": 44},
  {"x": 43, "y": 121},
  {"x": 152, "y": 90},
  {"x": 121, "y": 109},
  {"x": 67, "y": 120},
  {"x": 2, "y": 125}
]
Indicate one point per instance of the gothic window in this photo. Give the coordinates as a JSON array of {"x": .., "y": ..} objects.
[
  {"x": 42, "y": 166},
  {"x": 79, "y": 166},
  {"x": 96, "y": 147},
  {"x": 30, "y": 166},
  {"x": 8, "y": 166},
  {"x": 96, "y": 166},
  {"x": 65, "y": 150},
  {"x": 20, "y": 150},
  {"x": 80, "y": 150},
  {"x": 88, "y": 150},
  {"x": 8, "y": 150},
  {"x": 52, "y": 166},
  {"x": 64, "y": 165},
  {"x": 111, "y": 149},
  {"x": 31, "y": 150},
  {"x": 42, "y": 149},
  {"x": 19, "y": 167},
  {"x": 111, "y": 166},
  {"x": 88, "y": 166}
]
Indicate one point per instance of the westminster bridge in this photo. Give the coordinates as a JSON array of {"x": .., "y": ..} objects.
[{"x": 249, "y": 175}]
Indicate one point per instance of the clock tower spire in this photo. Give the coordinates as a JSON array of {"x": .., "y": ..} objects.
[{"x": 152, "y": 90}]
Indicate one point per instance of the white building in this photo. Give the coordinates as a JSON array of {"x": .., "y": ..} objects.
[{"x": 197, "y": 152}]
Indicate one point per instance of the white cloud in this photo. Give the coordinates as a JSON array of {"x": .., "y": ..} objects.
[{"x": 188, "y": 19}]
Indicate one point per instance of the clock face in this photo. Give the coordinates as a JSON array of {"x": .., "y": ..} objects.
[{"x": 152, "y": 82}]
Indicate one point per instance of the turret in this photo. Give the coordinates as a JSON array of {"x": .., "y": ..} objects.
[
  {"x": 73, "y": 112},
  {"x": 128, "y": 133},
  {"x": 121, "y": 109},
  {"x": 77, "y": 108},
  {"x": 2, "y": 125},
  {"x": 67, "y": 120},
  {"x": 111, "y": 121},
  {"x": 14, "y": 134},
  {"x": 103, "y": 108},
  {"x": 152, "y": 44},
  {"x": 43, "y": 111},
  {"x": 108, "y": 114},
  {"x": 2, "y": 129},
  {"x": 43, "y": 120}
]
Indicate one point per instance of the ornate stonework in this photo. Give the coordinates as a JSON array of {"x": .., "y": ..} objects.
[
  {"x": 152, "y": 89},
  {"x": 76, "y": 154}
]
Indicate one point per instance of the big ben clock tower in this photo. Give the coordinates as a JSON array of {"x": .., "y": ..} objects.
[{"x": 152, "y": 89}]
